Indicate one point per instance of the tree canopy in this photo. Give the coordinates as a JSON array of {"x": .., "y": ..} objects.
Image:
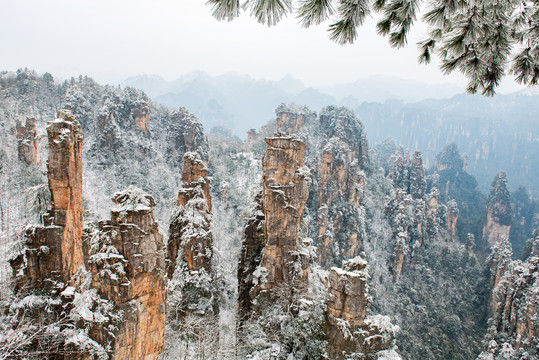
[{"x": 483, "y": 39}]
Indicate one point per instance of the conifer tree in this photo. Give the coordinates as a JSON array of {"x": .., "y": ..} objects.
[{"x": 483, "y": 39}]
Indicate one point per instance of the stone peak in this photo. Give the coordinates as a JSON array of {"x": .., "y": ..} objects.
[
  {"x": 133, "y": 198},
  {"x": 356, "y": 264}
]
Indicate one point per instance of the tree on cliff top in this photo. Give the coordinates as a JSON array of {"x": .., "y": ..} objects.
[{"x": 483, "y": 39}]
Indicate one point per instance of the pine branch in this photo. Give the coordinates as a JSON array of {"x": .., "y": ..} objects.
[
  {"x": 225, "y": 9},
  {"x": 399, "y": 16},
  {"x": 352, "y": 14},
  {"x": 526, "y": 66},
  {"x": 426, "y": 47},
  {"x": 269, "y": 12},
  {"x": 314, "y": 12}
]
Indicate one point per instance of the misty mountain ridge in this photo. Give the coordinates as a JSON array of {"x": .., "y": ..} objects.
[
  {"x": 495, "y": 133},
  {"x": 220, "y": 100}
]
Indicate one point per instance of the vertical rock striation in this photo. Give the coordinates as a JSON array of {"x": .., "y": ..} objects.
[
  {"x": 499, "y": 214},
  {"x": 127, "y": 263},
  {"x": 350, "y": 330},
  {"x": 341, "y": 185},
  {"x": 65, "y": 183},
  {"x": 53, "y": 251},
  {"x": 291, "y": 119},
  {"x": 107, "y": 281},
  {"x": 185, "y": 134},
  {"x": 284, "y": 194},
  {"x": 26, "y": 141},
  {"x": 514, "y": 304},
  {"x": 190, "y": 244},
  {"x": 271, "y": 255}
]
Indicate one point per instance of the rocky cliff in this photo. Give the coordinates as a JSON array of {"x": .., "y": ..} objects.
[
  {"x": 106, "y": 283},
  {"x": 185, "y": 134},
  {"x": 65, "y": 183},
  {"x": 190, "y": 243},
  {"x": 350, "y": 330},
  {"x": 291, "y": 119},
  {"x": 341, "y": 185},
  {"x": 285, "y": 188},
  {"x": 53, "y": 251},
  {"x": 26, "y": 141},
  {"x": 271, "y": 258},
  {"x": 513, "y": 331},
  {"x": 499, "y": 214},
  {"x": 126, "y": 258}
]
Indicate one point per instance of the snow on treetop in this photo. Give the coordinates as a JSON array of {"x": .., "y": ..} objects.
[
  {"x": 357, "y": 263},
  {"x": 133, "y": 198},
  {"x": 194, "y": 157}
]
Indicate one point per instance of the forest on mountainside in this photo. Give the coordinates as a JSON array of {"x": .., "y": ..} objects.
[{"x": 257, "y": 240}]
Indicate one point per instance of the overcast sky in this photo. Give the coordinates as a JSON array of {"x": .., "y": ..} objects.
[{"x": 111, "y": 40}]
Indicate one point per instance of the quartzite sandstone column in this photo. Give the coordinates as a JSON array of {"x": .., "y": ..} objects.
[
  {"x": 65, "y": 183},
  {"x": 285, "y": 191}
]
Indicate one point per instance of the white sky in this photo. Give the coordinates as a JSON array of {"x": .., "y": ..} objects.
[{"x": 111, "y": 40}]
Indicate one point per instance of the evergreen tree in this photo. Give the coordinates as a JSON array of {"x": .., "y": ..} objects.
[{"x": 483, "y": 39}]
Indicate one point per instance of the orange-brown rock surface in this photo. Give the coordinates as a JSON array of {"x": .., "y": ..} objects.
[
  {"x": 108, "y": 284},
  {"x": 270, "y": 256},
  {"x": 350, "y": 331},
  {"x": 493, "y": 230},
  {"x": 53, "y": 250},
  {"x": 65, "y": 183},
  {"x": 127, "y": 263},
  {"x": 26, "y": 141},
  {"x": 141, "y": 116},
  {"x": 285, "y": 189},
  {"x": 399, "y": 255},
  {"x": 292, "y": 119},
  {"x": 194, "y": 174},
  {"x": 452, "y": 217}
]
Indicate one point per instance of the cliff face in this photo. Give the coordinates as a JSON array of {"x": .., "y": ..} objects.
[
  {"x": 250, "y": 257},
  {"x": 292, "y": 119},
  {"x": 65, "y": 183},
  {"x": 271, "y": 256},
  {"x": 190, "y": 244},
  {"x": 54, "y": 250},
  {"x": 27, "y": 144},
  {"x": 141, "y": 115},
  {"x": 284, "y": 193},
  {"x": 107, "y": 281},
  {"x": 339, "y": 157},
  {"x": 513, "y": 325},
  {"x": 192, "y": 241},
  {"x": 341, "y": 185},
  {"x": 185, "y": 134},
  {"x": 415, "y": 215},
  {"x": 499, "y": 214},
  {"x": 124, "y": 109},
  {"x": 350, "y": 331},
  {"x": 126, "y": 257},
  {"x": 452, "y": 217}
]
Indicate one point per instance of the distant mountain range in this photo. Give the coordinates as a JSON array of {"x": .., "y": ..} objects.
[
  {"x": 240, "y": 102},
  {"x": 500, "y": 133}
]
